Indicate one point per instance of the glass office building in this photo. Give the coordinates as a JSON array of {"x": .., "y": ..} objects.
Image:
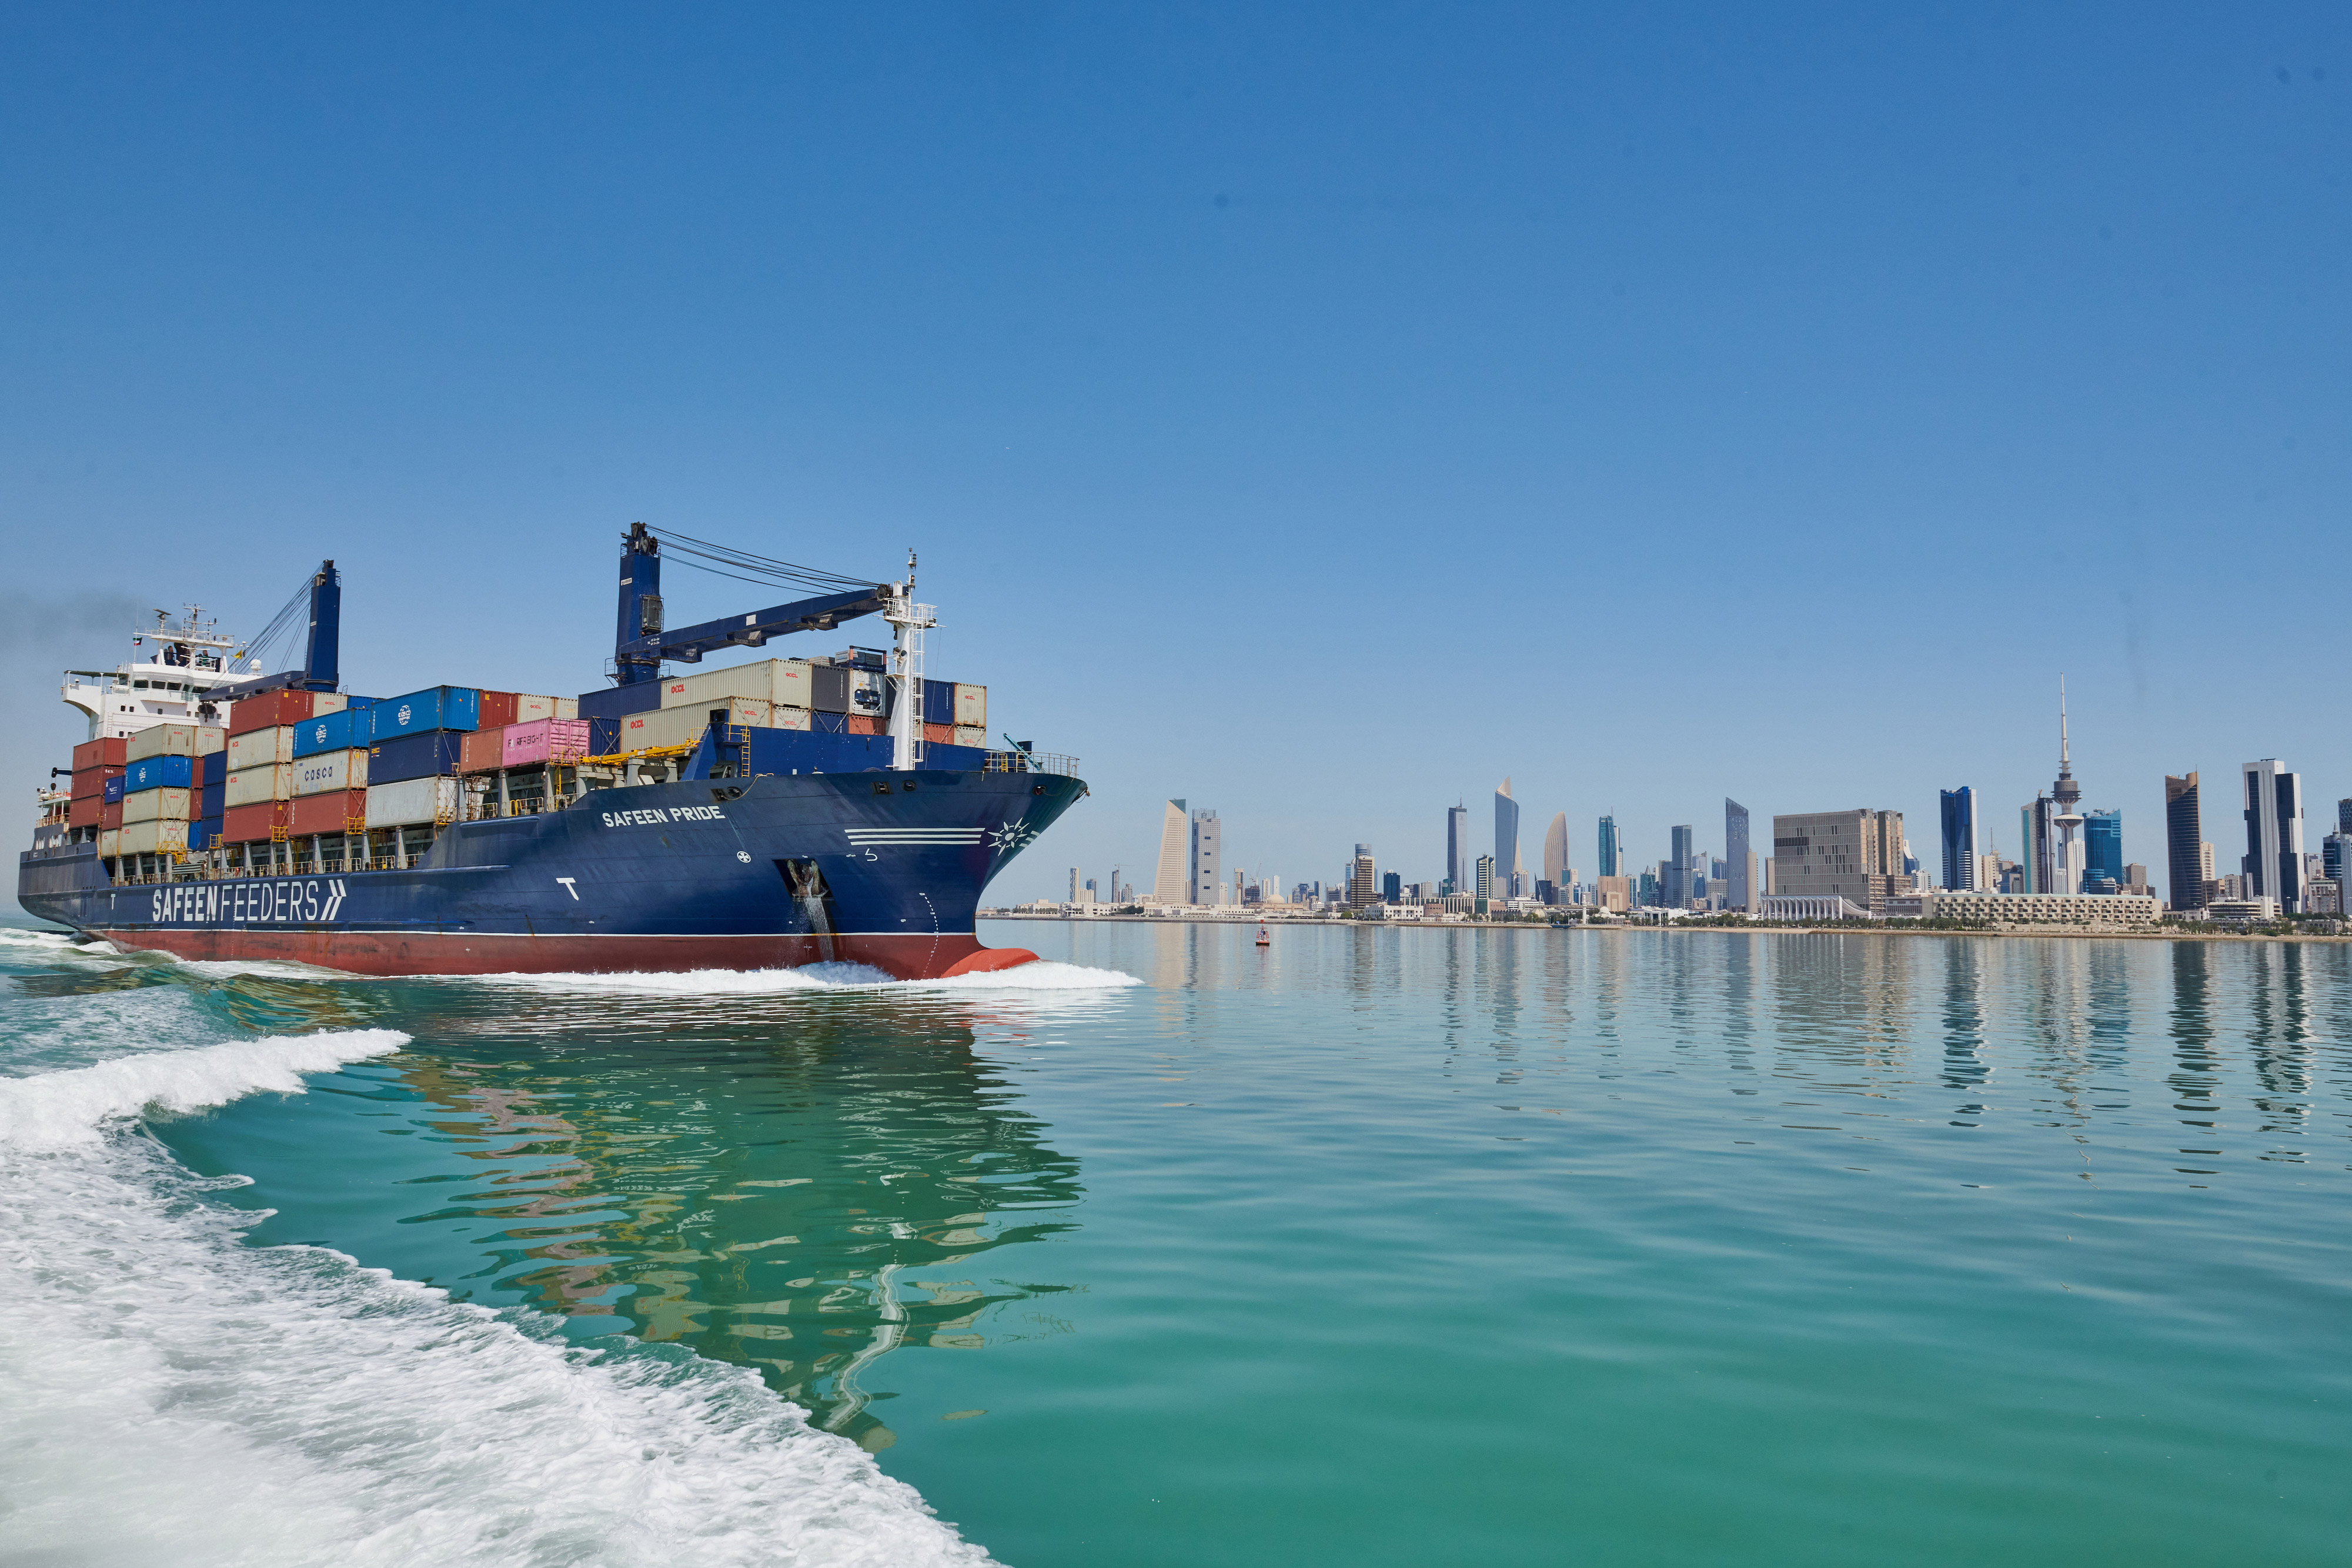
[
  {"x": 2103, "y": 848},
  {"x": 1960, "y": 840}
]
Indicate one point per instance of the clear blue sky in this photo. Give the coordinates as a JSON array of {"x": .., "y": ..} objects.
[{"x": 1316, "y": 414}]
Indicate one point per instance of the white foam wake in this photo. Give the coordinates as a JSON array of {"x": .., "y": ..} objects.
[
  {"x": 60, "y": 1110},
  {"x": 1041, "y": 976}
]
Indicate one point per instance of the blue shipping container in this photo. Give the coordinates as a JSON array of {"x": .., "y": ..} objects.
[
  {"x": 413, "y": 757},
  {"x": 810, "y": 751},
  {"x": 939, "y": 702},
  {"x": 435, "y": 707},
  {"x": 331, "y": 732},
  {"x": 159, "y": 773},
  {"x": 211, "y": 799},
  {"x": 619, "y": 701},
  {"x": 112, "y": 793},
  {"x": 201, "y": 835}
]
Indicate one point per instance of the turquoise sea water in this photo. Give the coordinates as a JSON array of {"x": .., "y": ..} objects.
[{"x": 1376, "y": 1246}]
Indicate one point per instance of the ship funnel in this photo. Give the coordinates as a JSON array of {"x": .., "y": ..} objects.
[{"x": 322, "y": 660}]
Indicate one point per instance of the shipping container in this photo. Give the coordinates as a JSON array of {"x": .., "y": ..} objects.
[
  {"x": 111, "y": 790},
  {"x": 860, "y": 723},
  {"x": 203, "y": 773},
  {"x": 330, "y": 770},
  {"x": 939, "y": 735},
  {"x": 829, "y": 688},
  {"x": 971, "y": 706},
  {"x": 172, "y": 741},
  {"x": 91, "y": 781},
  {"x": 158, "y": 773},
  {"x": 823, "y": 722},
  {"x": 434, "y": 707},
  {"x": 250, "y": 786},
  {"x": 330, "y": 732},
  {"x": 869, "y": 694},
  {"x": 274, "y": 710},
  {"x": 155, "y": 838},
  {"x": 771, "y": 681},
  {"x": 480, "y": 749},
  {"x": 110, "y": 842},
  {"x": 679, "y": 726},
  {"x": 541, "y": 741},
  {"x": 496, "y": 710},
  {"x": 970, "y": 735},
  {"x": 212, "y": 739},
  {"x": 204, "y": 834},
  {"x": 212, "y": 798},
  {"x": 332, "y": 812},
  {"x": 158, "y": 805},
  {"x": 83, "y": 810},
  {"x": 939, "y": 702},
  {"x": 109, "y": 814},
  {"x": 788, "y": 718},
  {"x": 259, "y": 747},
  {"x": 617, "y": 702},
  {"x": 106, "y": 753},
  {"x": 248, "y": 824},
  {"x": 411, "y": 801},
  {"x": 414, "y": 756}
]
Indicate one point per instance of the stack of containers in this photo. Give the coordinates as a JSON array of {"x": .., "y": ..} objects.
[
  {"x": 109, "y": 816},
  {"x": 258, "y": 762},
  {"x": 414, "y": 750},
  {"x": 95, "y": 763},
  {"x": 850, "y": 695},
  {"x": 159, "y": 788},
  {"x": 532, "y": 743}
]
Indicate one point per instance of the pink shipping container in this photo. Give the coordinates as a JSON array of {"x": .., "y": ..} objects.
[{"x": 543, "y": 740}]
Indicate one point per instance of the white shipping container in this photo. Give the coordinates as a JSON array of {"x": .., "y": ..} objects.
[
  {"x": 411, "y": 802},
  {"x": 529, "y": 707},
  {"x": 869, "y": 694},
  {"x": 166, "y": 804},
  {"x": 110, "y": 842},
  {"x": 154, "y": 838},
  {"x": 773, "y": 681},
  {"x": 970, "y": 735},
  {"x": 971, "y": 706},
  {"x": 259, "y": 747},
  {"x": 212, "y": 738},
  {"x": 251, "y": 785},
  {"x": 679, "y": 726},
  {"x": 782, "y": 718},
  {"x": 567, "y": 707},
  {"x": 326, "y": 771},
  {"x": 172, "y": 741},
  {"x": 324, "y": 703}
]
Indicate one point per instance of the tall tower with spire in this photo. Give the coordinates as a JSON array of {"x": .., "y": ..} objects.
[
  {"x": 2065, "y": 791},
  {"x": 2067, "y": 869}
]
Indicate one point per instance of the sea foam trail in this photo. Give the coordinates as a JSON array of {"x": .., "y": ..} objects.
[
  {"x": 168, "y": 1393},
  {"x": 60, "y": 1110},
  {"x": 813, "y": 978}
]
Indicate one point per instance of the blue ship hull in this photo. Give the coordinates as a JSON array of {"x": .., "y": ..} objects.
[{"x": 878, "y": 868}]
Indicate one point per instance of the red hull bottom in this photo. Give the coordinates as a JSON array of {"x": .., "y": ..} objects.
[{"x": 410, "y": 953}]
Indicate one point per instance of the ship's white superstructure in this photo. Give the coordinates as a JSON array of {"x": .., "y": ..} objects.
[{"x": 167, "y": 683}]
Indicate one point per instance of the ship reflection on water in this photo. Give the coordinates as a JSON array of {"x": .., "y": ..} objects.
[{"x": 802, "y": 1183}]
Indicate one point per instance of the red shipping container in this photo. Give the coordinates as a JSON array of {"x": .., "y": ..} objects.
[
  {"x": 497, "y": 711},
  {"x": 109, "y": 814},
  {"x": 100, "y": 753},
  {"x": 91, "y": 781},
  {"x": 862, "y": 724},
  {"x": 477, "y": 751},
  {"x": 330, "y": 813},
  {"x": 268, "y": 710},
  {"x": 82, "y": 811},
  {"x": 939, "y": 735},
  {"x": 247, "y": 824}
]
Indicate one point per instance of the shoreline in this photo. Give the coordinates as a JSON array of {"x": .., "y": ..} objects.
[{"x": 2172, "y": 935}]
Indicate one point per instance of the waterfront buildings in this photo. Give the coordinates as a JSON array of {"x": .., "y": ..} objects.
[
  {"x": 1171, "y": 881},
  {"x": 1507, "y": 869},
  {"x": 2273, "y": 863},
  {"x": 1612, "y": 850},
  {"x": 1738, "y": 857},
  {"x": 1208, "y": 858},
  {"x": 1486, "y": 877},
  {"x": 1675, "y": 872},
  {"x": 2102, "y": 850},
  {"x": 1362, "y": 888},
  {"x": 1555, "y": 852},
  {"x": 2187, "y": 858},
  {"x": 1854, "y": 855},
  {"x": 1458, "y": 847},
  {"x": 2042, "y": 908},
  {"x": 1960, "y": 852}
]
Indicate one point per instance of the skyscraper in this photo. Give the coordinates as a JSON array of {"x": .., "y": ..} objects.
[
  {"x": 1613, "y": 853},
  {"x": 1738, "y": 858},
  {"x": 1485, "y": 875},
  {"x": 1960, "y": 839},
  {"x": 1361, "y": 887},
  {"x": 1171, "y": 881},
  {"x": 1208, "y": 858},
  {"x": 2103, "y": 846},
  {"x": 1677, "y": 870},
  {"x": 1555, "y": 861},
  {"x": 2273, "y": 863},
  {"x": 1392, "y": 888},
  {"x": 1506, "y": 840},
  {"x": 2184, "y": 843},
  {"x": 1458, "y": 847}
]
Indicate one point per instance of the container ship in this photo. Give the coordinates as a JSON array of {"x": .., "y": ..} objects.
[{"x": 786, "y": 812}]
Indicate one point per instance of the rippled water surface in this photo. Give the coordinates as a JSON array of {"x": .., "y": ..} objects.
[{"x": 1384, "y": 1247}]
